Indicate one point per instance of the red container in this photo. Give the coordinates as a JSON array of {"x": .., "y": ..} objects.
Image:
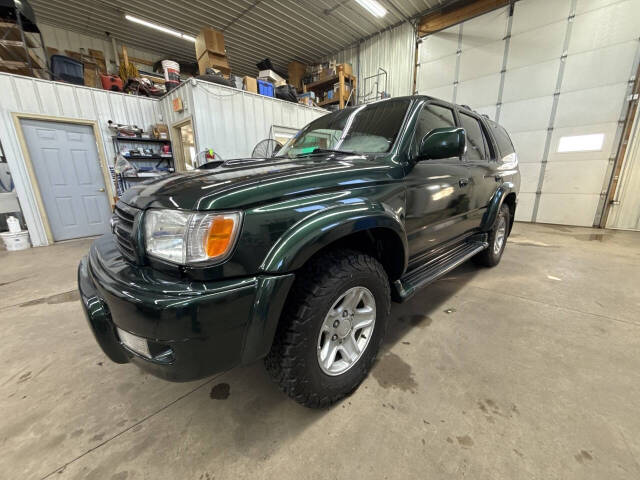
[{"x": 111, "y": 82}]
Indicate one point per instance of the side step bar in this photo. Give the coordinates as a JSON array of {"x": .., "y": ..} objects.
[{"x": 436, "y": 267}]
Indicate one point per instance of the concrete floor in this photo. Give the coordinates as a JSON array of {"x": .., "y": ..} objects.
[{"x": 528, "y": 370}]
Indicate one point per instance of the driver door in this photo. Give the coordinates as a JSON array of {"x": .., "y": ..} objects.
[{"x": 438, "y": 191}]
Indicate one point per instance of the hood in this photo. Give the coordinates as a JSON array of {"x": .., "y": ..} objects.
[{"x": 245, "y": 182}]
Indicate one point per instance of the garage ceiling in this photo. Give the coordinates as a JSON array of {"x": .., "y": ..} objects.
[{"x": 282, "y": 30}]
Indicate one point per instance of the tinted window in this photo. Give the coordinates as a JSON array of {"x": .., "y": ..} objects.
[
  {"x": 502, "y": 139},
  {"x": 475, "y": 139},
  {"x": 369, "y": 129},
  {"x": 432, "y": 116}
]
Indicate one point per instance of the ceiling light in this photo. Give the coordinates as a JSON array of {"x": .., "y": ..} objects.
[
  {"x": 160, "y": 28},
  {"x": 373, "y": 7}
]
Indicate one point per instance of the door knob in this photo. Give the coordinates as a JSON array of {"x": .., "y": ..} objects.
[
  {"x": 463, "y": 182},
  {"x": 101, "y": 189}
]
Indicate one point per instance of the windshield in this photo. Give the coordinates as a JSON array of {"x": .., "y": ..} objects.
[{"x": 369, "y": 128}]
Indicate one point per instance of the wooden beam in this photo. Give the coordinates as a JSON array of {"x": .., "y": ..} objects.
[
  {"x": 457, "y": 13},
  {"x": 137, "y": 60}
]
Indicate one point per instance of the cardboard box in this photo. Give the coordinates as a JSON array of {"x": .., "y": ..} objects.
[
  {"x": 213, "y": 60},
  {"x": 346, "y": 68},
  {"x": 161, "y": 131},
  {"x": 250, "y": 84},
  {"x": 297, "y": 71},
  {"x": 209, "y": 40}
]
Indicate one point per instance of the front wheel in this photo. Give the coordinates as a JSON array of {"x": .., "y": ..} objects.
[
  {"x": 331, "y": 328},
  {"x": 491, "y": 256}
]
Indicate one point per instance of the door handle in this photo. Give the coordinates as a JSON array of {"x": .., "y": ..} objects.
[
  {"x": 101, "y": 189},
  {"x": 463, "y": 182}
]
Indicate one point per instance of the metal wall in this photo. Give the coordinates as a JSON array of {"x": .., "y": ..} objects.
[
  {"x": 53, "y": 99},
  {"x": 392, "y": 49},
  {"x": 554, "y": 68},
  {"x": 625, "y": 210},
  {"x": 233, "y": 121}
]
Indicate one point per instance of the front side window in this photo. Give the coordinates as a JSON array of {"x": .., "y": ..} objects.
[
  {"x": 371, "y": 128},
  {"x": 475, "y": 140},
  {"x": 432, "y": 116}
]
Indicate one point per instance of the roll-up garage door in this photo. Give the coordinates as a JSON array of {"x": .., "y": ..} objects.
[{"x": 556, "y": 74}]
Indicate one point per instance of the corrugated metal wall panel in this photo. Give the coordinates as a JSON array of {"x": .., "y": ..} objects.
[
  {"x": 233, "y": 121},
  {"x": 42, "y": 97},
  {"x": 393, "y": 50}
]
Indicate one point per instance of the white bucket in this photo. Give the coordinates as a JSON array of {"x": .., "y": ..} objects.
[{"x": 16, "y": 241}]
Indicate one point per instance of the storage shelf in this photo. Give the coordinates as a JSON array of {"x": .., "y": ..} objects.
[
  {"x": 328, "y": 81},
  {"x": 138, "y": 139},
  {"x": 331, "y": 101},
  {"x": 150, "y": 157}
]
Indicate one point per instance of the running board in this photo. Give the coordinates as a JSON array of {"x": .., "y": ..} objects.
[{"x": 438, "y": 266}]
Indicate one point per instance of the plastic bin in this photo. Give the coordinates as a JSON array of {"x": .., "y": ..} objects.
[
  {"x": 15, "y": 241},
  {"x": 266, "y": 88},
  {"x": 67, "y": 69}
]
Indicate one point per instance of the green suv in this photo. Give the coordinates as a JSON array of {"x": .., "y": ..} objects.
[{"x": 296, "y": 258}]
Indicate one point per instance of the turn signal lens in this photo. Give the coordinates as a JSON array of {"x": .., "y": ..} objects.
[{"x": 219, "y": 237}]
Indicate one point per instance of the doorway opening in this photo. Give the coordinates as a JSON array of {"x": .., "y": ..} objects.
[{"x": 185, "y": 145}]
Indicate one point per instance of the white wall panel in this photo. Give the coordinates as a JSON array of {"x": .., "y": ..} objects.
[
  {"x": 568, "y": 209},
  {"x": 537, "y": 45},
  {"x": 600, "y": 67},
  {"x": 615, "y": 23},
  {"x": 532, "y": 81},
  {"x": 488, "y": 28},
  {"x": 594, "y": 105},
  {"x": 529, "y": 177},
  {"x": 529, "y": 145},
  {"x": 532, "y": 14},
  {"x": 233, "y": 121},
  {"x": 437, "y": 73},
  {"x": 481, "y": 61},
  {"x": 438, "y": 45},
  {"x": 574, "y": 177},
  {"x": 524, "y": 210},
  {"x": 529, "y": 114},
  {"x": 608, "y": 129},
  {"x": 479, "y": 91},
  {"x": 393, "y": 50},
  {"x": 443, "y": 93}
]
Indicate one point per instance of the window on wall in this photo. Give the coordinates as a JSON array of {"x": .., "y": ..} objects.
[
  {"x": 476, "y": 147},
  {"x": 581, "y": 143},
  {"x": 431, "y": 117}
]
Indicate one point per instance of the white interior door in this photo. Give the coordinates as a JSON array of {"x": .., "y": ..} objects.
[{"x": 67, "y": 168}]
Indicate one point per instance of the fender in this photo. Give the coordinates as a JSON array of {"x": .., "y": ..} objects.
[
  {"x": 324, "y": 227},
  {"x": 489, "y": 217}
]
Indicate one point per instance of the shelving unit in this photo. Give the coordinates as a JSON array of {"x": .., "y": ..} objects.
[
  {"x": 154, "y": 162},
  {"x": 343, "y": 97}
]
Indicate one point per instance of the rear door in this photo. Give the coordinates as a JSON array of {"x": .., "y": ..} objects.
[
  {"x": 437, "y": 190},
  {"x": 482, "y": 163}
]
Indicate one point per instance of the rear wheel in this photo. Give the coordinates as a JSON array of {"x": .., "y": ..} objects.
[
  {"x": 331, "y": 328},
  {"x": 491, "y": 256}
]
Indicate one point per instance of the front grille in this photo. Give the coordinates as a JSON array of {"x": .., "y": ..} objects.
[{"x": 123, "y": 220}]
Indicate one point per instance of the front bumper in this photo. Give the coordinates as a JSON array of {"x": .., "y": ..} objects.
[{"x": 194, "y": 329}]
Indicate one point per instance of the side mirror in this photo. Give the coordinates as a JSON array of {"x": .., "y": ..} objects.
[{"x": 442, "y": 143}]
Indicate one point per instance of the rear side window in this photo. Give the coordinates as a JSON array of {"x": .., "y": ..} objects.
[
  {"x": 431, "y": 117},
  {"x": 502, "y": 139},
  {"x": 476, "y": 147}
]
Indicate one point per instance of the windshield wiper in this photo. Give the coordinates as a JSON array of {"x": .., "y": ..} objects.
[{"x": 316, "y": 151}]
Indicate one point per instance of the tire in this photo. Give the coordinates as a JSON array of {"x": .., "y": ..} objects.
[
  {"x": 294, "y": 360},
  {"x": 491, "y": 256}
]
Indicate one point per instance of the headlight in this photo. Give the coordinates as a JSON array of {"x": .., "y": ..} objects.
[{"x": 190, "y": 237}]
